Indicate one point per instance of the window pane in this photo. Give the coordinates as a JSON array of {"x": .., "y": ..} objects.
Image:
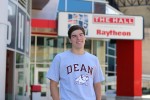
[
  {"x": 32, "y": 59},
  {"x": 112, "y": 45},
  {"x": 19, "y": 66},
  {"x": 111, "y": 52},
  {"x": 33, "y": 40},
  {"x": 41, "y": 77},
  {"x": 111, "y": 66},
  {"x": 99, "y": 50},
  {"x": 19, "y": 58},
  {"x": 20, "y": 90},
  {"x": 32, "y": 74},
  {"x": 47, "y": 48},
  {"x": 42, "y": 65},
  {"x": 20, "y": 78},
  {"x": 88, "y": 46}
]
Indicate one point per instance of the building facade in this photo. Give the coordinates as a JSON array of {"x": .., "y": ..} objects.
[
  {"x": 18, "y": 50},
  {"x": 29, "y": 48}
]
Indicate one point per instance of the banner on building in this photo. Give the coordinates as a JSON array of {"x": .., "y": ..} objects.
[{"x": 102, "y": 26}]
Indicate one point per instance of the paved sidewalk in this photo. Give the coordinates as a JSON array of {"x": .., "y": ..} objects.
[{"x": 144, "y": 97}]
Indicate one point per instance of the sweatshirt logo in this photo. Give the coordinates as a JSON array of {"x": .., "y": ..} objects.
[
  {"x": 82, "y": 80},
  {"x": 77, "y": 67}
]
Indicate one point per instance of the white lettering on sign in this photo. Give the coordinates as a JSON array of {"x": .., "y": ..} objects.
[
  {"x": 113, "y": 20},
  {"x": 9, "y": 33},
  {"x": 20, "y": 33}
]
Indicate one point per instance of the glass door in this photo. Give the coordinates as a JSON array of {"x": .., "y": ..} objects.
[{"x": 40, "y": 79}]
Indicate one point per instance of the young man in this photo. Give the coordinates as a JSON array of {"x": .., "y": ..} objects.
[{"x": 77, "y": 71}]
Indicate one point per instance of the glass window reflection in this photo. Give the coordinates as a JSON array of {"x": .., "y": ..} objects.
[
  {"x": 41, "y": 77},
  {"x": 47, "y": 48},
  {"x": 19, "y": 58}
]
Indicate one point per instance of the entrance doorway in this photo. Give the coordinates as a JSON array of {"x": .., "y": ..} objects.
[{"x": 9, "y": 75}]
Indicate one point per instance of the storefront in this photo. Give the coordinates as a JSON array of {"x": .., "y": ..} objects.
[{"x": 25, "y": 67}]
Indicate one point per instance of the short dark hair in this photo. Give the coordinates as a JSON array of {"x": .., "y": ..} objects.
[{"x": 73, "y": 28}]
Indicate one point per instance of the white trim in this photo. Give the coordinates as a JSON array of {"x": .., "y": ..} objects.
[
  {"x": 110, "y": 56},
  {"x": 115, "y": 10},
  {"x": 101, "y": 1},
  {"x": 111, "y": 48}
]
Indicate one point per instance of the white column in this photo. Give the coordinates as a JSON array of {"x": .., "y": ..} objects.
[{"x": 3, "y": 37}]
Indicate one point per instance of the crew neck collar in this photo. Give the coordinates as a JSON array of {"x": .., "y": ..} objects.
[{"x": 77, "y": 54}]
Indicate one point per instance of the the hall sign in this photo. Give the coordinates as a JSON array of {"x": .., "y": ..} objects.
[{"x": 102, "y": 25}]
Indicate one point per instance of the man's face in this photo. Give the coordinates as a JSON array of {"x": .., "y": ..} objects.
[{"x": 77, "y": 39}]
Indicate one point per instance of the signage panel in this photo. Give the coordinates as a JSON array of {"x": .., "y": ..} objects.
[
  {"x": 11, "y": 29},
  {"x": 102, "y": 25},
  {"x": 18, "y": 30},
  {"x": 21, "y": 30}
]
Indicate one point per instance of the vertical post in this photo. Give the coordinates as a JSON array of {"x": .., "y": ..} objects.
[
  {"x": 3, "y": 39},
  {"x": 129, "y": 68}
]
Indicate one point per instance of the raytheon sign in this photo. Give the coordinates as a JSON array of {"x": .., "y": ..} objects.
[{"x": 103, "y": 26}]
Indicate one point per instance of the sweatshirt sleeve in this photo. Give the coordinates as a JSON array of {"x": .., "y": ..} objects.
[
  {"x": 98, "y": 74},
  {"x": 54, "y": 71}
]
